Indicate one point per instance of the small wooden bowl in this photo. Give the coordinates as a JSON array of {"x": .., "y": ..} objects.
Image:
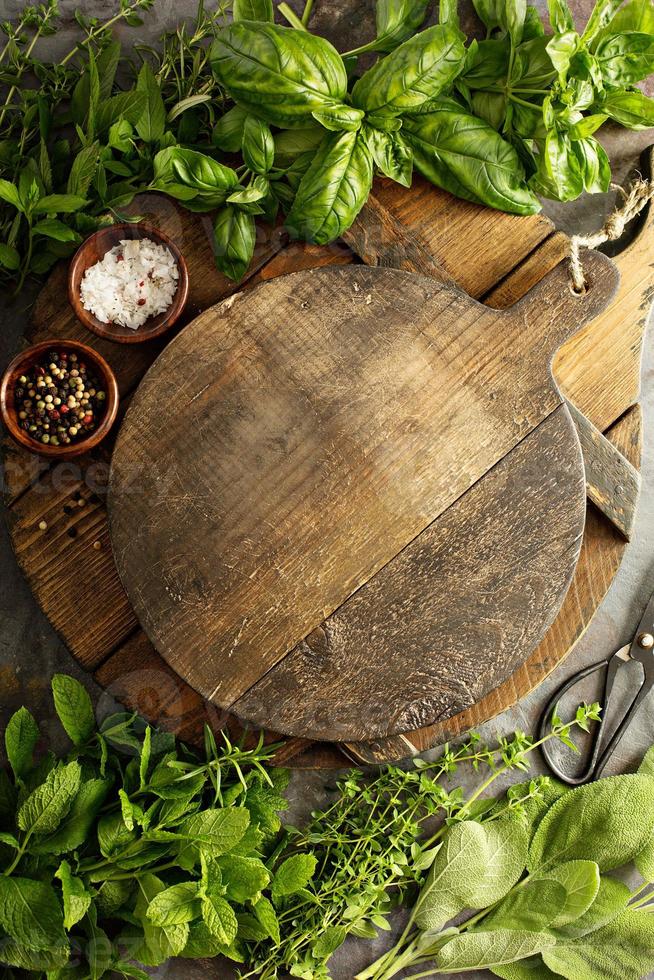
[
  {"x": 24, "y": 361},
  {"x": 93, "y": 250}
]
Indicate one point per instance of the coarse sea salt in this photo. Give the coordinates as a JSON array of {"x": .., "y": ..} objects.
[{"x": 135, "y": 280}]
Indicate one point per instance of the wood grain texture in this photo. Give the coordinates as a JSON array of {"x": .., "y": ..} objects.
[
  {"x": 450, "y": 617},
  {"x": 489, "y": 260},
  {"x": 384, "y": 384},
  {"x": 600, "y": 557}
]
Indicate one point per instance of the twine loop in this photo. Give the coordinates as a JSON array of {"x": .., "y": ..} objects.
[{"x": 637, "y": 197}]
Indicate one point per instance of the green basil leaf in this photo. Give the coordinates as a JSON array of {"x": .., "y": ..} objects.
[
  {"x": 45, "y": 808},
  {"x": 21, "y": 736},
  {"x": 255, "y": 192},
  {"x": 191, "y": 102},
  {"x": 391, "y": 155},
  {"x": 561, "y": 17},
  {"x": 71, "y": 700},
  {"x": 339, "y": 117},
  {"x": 244, "y": 877},
  {"x": 228, "y": 132},
  {"x": 59, "y": 204},
  {"x": 31, "y": 914},
  {"x": 397, "y": 20},
  {"x": 277, "y": 73},
  {"x": 533, "y": 27},
  {"x": 638, "y": 15},
  {"x": 489, "y": 12},
  {"x": 610, "y": 902},
  {"x": 293, "y": 875},
  {"x": 559, "y": 173},
  {"x": 77, "y": 898},
  {"x": 465, "y": 156},
  {"x": 9, "y": 193},
  {"x": 333, "y": 190},
  {"x": 601, "y": 15},
  {"x": 625, "y": 59},
  {"x": 475, "y": 950},
  {"x": 561, "y": 48},
  {"x": 258, "y": 145},
  {"x": 587, "y": 126},
  {"x": 253, "y": 10},
  {"x": 594, "y": 164},
  {"x": 220, "y": 919},
  {"x": 175, "y": 905},
  {"x": 486, "y": 63},
  {"x": 593, "y": 956},
  {"x": 420, "y": 69},
  {"x": 514, "y": 19},
  {"x": 293, "y": 143},
  {"x": 151, "y": 123},
  {"x": 532, "y": 65},
  {"x": 491, "y": 107},
  {"x": 234, "y": 235},
  {"x": 631, "y": 109},
  {"x": 609, "y": 822}
]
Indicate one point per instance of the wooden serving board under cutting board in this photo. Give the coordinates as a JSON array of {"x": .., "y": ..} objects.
[
  {"x": 494, "y": 257},
  {"x": 300, "y": 450}
]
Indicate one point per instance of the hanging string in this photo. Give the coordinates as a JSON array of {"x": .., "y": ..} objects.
[{"x": 638, "y": 196}]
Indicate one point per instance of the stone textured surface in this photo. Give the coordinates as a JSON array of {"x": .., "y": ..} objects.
[{"x": 30, "y": 651}]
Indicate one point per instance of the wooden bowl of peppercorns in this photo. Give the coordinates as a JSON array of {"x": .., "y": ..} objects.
[{"x": 59, "y": 398}]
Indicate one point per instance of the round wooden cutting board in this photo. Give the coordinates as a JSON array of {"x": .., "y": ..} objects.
[{"x": 301, "y": 456}]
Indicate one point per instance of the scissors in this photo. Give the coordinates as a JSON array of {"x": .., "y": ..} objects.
[{"x": 640, "y": 649}]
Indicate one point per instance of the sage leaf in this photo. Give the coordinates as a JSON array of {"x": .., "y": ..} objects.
[
  {"x": 277, "y": 73},
  {"x": 476, "y": 950},
  {"x": 464, "y": 155},
  {"x": 391, "y": 155},
  {"x": 21, "y": 736},
  {"x": 258, "y": 145},
  {"x": 220, "y": 919},
  {"x": 234, "y": 235},
  {"x": 151, "y": 123},
  {"x": 608, "y": 822},
  {"x": 31, "y": 914},
  {"x": 253, "y": 10},
  {"x": 48, "y": 804},
  {"x": 175, "y": 905},
  {"x": 581, "y": 881},
  {"x": 76, "y": 897},
  {"x": 397, "y": 20},
  {"x": 531, "y": 968},
  {"x": 531, "y": 908},
  {"x": 610, "y": 902},
  {"x": 293, "y": 875},
  {"x": 593, "y": 957},
  {"x": 333, "y": 190},
  {"x": 418, "y": 70},
  {"x": 244, "y": 877},
  {"x": 73, "y": 704}
]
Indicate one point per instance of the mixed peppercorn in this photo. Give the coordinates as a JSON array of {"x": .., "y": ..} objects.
[{"x": 59, "y": 401}]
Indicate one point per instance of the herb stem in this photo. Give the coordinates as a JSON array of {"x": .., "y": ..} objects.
[
  {"x": 291, "y": 17},
  {"x": 308, "y": 8}
]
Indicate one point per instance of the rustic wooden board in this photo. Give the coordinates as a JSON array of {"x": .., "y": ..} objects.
[
  {"x": 504, "y": 267},
  {"x": 313, "y": 428}
]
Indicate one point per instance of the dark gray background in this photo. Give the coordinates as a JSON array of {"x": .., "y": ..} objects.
[{"x": 30, "y": 651}]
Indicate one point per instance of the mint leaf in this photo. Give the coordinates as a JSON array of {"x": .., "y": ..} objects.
[
  {"x": 15, "y": 954},
  {"x": 113, "y": 835},
  {"x": 9, "y": 193},
  {"x": 220, "y": 919},
  {"x": 293, "y": 875},
  {"x": 175, "y": 905},
  {"x": 151, "y": 124},
  {"x": 73, "y": 706},
  {"x": 59, "y": 204},
  {"x": 267, "y": 917},
  {"x": 45, "y": 808},
  {"x": 244, "y": 877},
  {"x": 30, "y": 913},
  {"x": 146, "y": 753},
  {"x": 157, "y": 944},
  {"x": 21, "y": 736},
  {"x": 329, "y": 941},
  {"x": 77, "y": 898},
  {"x": 608, "y": 822},
  {"x": 53, "y": 228},
  {"x": 214, "y": 831},
  {"x": 79, "y": 819}
]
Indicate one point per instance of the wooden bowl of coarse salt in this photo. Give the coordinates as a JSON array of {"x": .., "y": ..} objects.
[{"x": 128, "y": 283}]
